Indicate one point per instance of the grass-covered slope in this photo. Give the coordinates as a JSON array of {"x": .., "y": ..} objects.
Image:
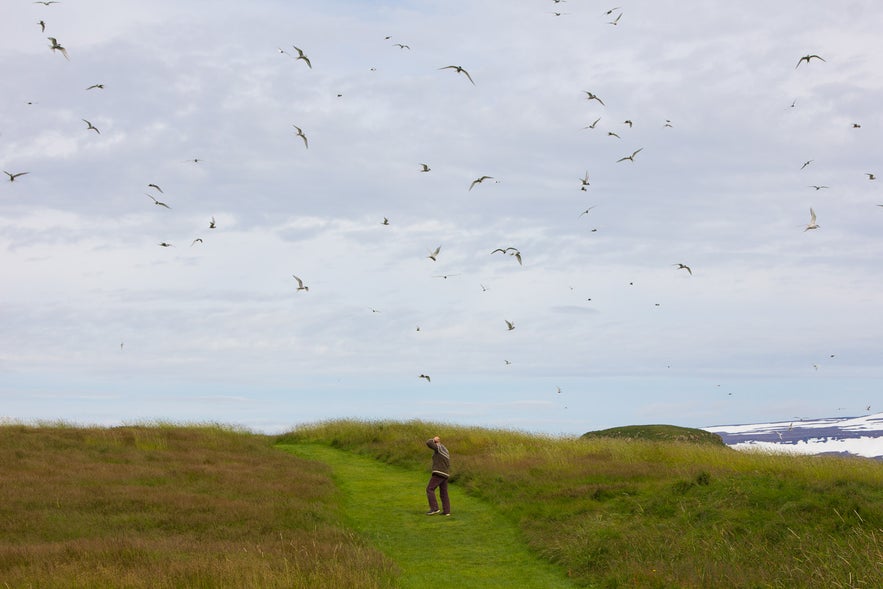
[
  {"x": 639, "y": 513},
  {"x": 171, "y": 507},
  {"x": 664, "y": 433}
]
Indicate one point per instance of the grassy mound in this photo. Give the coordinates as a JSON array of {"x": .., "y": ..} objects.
[{"x": 668, "y": 433}]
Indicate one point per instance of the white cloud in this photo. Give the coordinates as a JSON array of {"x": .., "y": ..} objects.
[{"x": 721, "y": 190}]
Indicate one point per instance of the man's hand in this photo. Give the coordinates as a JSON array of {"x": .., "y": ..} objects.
[{"x": 436, "y": 439}]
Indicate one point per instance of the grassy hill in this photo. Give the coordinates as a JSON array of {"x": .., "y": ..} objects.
[
  {"x": 207, "y": 506},
  {"x": 164, "y": 506},
  {"x": 665, "y": 433}
]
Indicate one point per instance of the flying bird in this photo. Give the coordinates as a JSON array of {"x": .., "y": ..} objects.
[
  {"x": 300, "y": 55},
  {"x": 806, "y": 58},
  {"x": 514, "y": 252},
  {"x": 385, "y": 221},
  {"x": 445, "y": 276},
  {"x": 592, "y": 126},
  {"x": 94, "y": 86},
  {"x": 612, "y": 134},
  {"x": 615, "y": 21},
  {"x": 459, "y": 70},
  {"x": 54, "y": 46},
  {"x": 432, "y": 255},
  {"x": 91, "y": 126},
  {"x": 870, "y": 176},
  {"x": 424, "y": 167},
  {"x": 300, "y": 284},
  {"x": 12, "y": 177},
  {"x": 806, "y": 163},
  {"x": 46, "y": 2},
  {"x": 211, "y": 224},
  {"x": 198, "y": 239},
  {"x": 300, "y": 134},
  {"x": 401, "y": 46},
  {"x": 480, "y": 180},
  {"x": 628, "y": 122},
  {"x": 585, "y": 180},
  {"x": 812, "y": 220},
  {"x": 684, "y": 267},
  {"x": 165, "y": 244},
  {"x": 509, "y": 324},
  {"x": 156, "y": 202},
  {"x": 817, "y": 187},
  {"x": 590, "y": 96},
  {"x": 42, "y": 26},
  {"x": 631, "y": 158},
  {"x": 426, "y": 377},
  {"x": 155, "y": 187}
]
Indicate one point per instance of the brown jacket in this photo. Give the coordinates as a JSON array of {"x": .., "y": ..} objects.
[{"x": 441, "y": 459}]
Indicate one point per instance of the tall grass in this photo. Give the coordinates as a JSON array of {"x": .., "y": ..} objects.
[
  {"x": 207, "y": 506},
  {"x": 632, "y": 513},
  {"x": 168, "y": 506}
]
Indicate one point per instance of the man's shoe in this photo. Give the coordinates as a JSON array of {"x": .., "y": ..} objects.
[
  {"x": 448, "y": 514},
  {"x": 433, "y": 512}
]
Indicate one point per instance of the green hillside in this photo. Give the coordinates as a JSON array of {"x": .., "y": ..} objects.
[
  {"x": 341, "y": 504},
  {"x": 628, "y": 513}
]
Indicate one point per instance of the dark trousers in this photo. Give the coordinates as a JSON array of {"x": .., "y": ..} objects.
[{"x": 441, "y": 483}]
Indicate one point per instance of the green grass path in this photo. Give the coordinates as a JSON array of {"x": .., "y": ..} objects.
[{"x": 474, "y": 547}]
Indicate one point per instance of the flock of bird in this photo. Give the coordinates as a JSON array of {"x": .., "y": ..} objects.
[{"x": 298, "y": 54}]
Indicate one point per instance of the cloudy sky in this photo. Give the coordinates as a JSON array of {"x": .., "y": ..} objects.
[{"x": 103, "y": 325}]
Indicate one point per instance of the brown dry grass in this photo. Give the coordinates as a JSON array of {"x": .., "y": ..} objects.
[{"x": 168, "y": 506}]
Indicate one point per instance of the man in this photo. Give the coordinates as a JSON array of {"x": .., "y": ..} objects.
[{"x": 441, "y": 467}]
